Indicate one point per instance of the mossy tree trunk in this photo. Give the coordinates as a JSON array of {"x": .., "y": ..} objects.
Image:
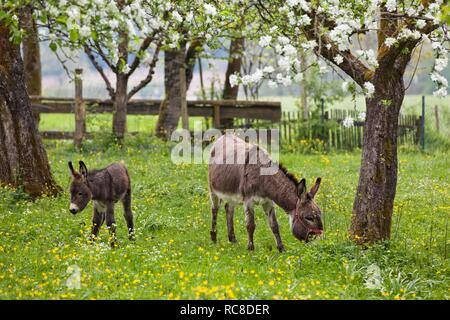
[
  {"x": 23, "y": 160},
  {"x": 374, "y": 201}
]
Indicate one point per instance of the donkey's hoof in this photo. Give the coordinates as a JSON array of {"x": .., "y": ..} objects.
[
  {"x": 232, "y": 239},
  {"x": 251, "y": 246},
  {"x": 132, "y": 237},
  {"x": 213, "y": 236},
  {"x": 281, "y": 248}
]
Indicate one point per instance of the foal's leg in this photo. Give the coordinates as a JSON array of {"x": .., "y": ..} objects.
[
  {"x": 215, "y": 203},
  {"x": 270, "y": 212},
  {"x": 111, "y": 222},
  {"x": 250, "y": 221},
  {"x": 229, "y": 208},
  {"x": 128, "y": 214},
  {"x": 97, "y": 220}
]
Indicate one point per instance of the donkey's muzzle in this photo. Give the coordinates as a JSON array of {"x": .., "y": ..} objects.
[{"x": 73, "y": 208}]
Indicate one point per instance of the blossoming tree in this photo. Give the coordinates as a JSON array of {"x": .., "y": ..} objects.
[
  {"x": 332, "y": 31},
  {"x": 23, "y": 160}
]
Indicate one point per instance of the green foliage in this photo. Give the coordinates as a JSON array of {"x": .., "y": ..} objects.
[{"x": 173, "y": 256}]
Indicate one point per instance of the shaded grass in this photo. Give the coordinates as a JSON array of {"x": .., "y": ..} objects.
[{"x": 173, "y": 256}]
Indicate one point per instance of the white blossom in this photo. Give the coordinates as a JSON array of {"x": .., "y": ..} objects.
[
  {"x": 344, "y": 86},
  {"x": 369, "y": 89},
  {"x": 389, "y": 42},
  {"x": 210, "y": 9},
  {"x": 177, "y": 16},
  {"x": 362, "y": 116},
  {"x": 233, "y": 79},
  {"x": 268, "y": 69},
  {"x": 421, "y": 23},
  {"x": 391, "y": 5},
  {"x": 348, "y": 122},
  {"x": 264, "y": 41},
  {"x": 338, "y": 59}
]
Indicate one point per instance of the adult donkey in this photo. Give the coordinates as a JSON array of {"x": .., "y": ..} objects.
[{"x": 242, "y": 182}]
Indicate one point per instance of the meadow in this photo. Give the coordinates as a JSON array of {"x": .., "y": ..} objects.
[{"x": 173, "y": 257}]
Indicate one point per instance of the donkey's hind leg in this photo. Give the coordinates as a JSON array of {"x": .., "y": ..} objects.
[
  {"x": 128, "y": 214},
  {"x": 215, "y": 204},
  {"x": 229, "y": 209},
  {"x": 270, "y": 212},
  {"x": 250, "y": 221}
]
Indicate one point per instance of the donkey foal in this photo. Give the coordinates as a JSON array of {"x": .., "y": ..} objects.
[{"x": 105, "y": 187}]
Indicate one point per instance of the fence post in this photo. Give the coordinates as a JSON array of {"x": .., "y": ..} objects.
[
  {"x": 79, "y": 110},
  {"x": 322, "y": 117},
  {"x": 436, "y": 116},
  {"x": 216, "y": 116},
  {"x": 422, "y": 125}
]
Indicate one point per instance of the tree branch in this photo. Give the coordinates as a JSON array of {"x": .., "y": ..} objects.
[
  {"x": 149, "y": 77},
  {"x": 99, "y": 69}
]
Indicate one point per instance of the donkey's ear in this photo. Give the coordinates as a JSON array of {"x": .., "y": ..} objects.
[
  {"x": 83, "y": 169},
  {"x": 72, "y": 170},
  {"x": 314, "y": 189},
  {"x": 301, "y": 187}
]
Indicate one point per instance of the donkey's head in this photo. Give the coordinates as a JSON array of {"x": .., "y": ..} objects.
[
  {"x": 306, "y": 220},
  {"x": 80, "y": 193}
]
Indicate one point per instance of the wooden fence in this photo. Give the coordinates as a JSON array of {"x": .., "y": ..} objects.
[
  {"x": 217, "y": 110},
  {"x": 329, "y": 128},
  {"x": 264, "y": 114}
]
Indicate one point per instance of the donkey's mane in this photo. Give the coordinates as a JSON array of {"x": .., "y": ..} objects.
[{"x": 289, "y": 175}]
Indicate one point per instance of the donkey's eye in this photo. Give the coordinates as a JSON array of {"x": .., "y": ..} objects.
[
  {"x": 310, "y": 219},
  {"x": 80, "y": 193}
]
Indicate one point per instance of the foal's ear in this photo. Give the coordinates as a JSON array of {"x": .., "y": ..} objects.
[
  {"x": 72, "y": 170},
  {"x": 301, "y": 187},
  {"x": 314, "y": 189},
  {"x": 83, "y": 169}
]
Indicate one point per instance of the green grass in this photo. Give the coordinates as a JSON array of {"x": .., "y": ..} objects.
[{"x": 173, "y": 256}]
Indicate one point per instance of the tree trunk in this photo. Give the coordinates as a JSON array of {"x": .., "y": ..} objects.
[
  {"x": 304, "y": 93},
  {"x": 374, "y": 201},
  {"x": 170, "y": 110},
  {"x": 121, "y": 97},
  {"x": 31, "y": 55},
  {"x": 120, "y": 107},
  {"x": 234, "y": 66},
  {"x": 23, "y": 160}
]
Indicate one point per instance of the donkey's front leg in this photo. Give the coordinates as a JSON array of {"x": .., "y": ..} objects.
[
  {"x": 250, "y": 221},
  {"x": 229, "y": 209},
  {"x": 270, "y": 212},
  {"x": 111, "y": 222},
  {"x": 97, "y": 220},
  {"x": 128, "y": 214}
]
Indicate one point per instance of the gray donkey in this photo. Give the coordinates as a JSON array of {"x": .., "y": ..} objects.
[
  {"x": 105, "y": 187},
  {"x": 235, "y": 183}
]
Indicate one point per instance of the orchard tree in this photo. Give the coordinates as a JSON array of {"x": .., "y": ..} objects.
[
  {"x": 330, "y": 31},
  {"x": 121, "y": 36},
  {"x": 23, "y": 160}
]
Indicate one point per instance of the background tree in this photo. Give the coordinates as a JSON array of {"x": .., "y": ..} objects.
[
  {"x": 23, "y": 160},
  {"x": 174, "y": 60},
  {"x": 330, "y": 30},
  {"x": 31, "y": 54},
  {"x": 119, "y": 35}
]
